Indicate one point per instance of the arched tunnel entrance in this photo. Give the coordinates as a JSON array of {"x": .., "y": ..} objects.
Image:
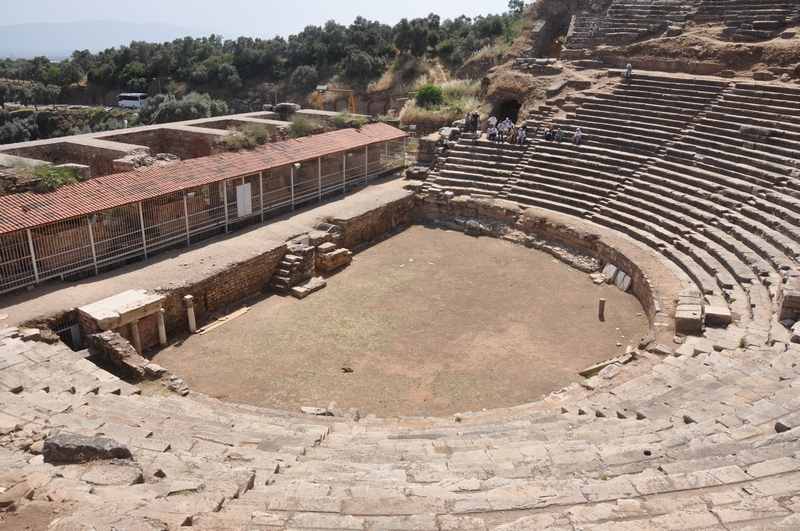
[{"x": 508, "y": 109}]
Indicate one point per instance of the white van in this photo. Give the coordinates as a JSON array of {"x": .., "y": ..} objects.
[{"x": 132, "y": 100}]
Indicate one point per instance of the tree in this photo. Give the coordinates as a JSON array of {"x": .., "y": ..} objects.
[
  {"x": 6, "y": 93},
  {"x": 361, "y": 66},
  {"x": 429, "y": 95},
  {"x": 516, "y": 7},
  {"x": 45, "y": 94},
  {"x": 229, "y": 77},
  {"x": 166, "y": 108},
  {"x": 304, "y": 78}
]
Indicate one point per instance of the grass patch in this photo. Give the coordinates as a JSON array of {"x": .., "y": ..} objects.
[
  {"x": 248, "y": 137},
  {"x": 347, "y": 119},
  {"x": 300, "y": 126}
]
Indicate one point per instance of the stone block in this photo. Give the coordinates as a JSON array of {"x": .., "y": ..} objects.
[
  {"x": 65, "y": 447},
  {"x": 610, "y": 371},
  {"x": 662, "y": 349},
  {"x": 689, "y": 318},
  {"x": 703, "y": 346},
  {"x": 623, "y": 281},
  {"x": 684, "y": 350},
  {"x": 689, "y": 296},
  {"x": 718, "y": 315},
  {"x": 609, "y": 272}
]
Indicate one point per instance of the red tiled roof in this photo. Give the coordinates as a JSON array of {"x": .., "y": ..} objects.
[{"x": 23, "y": 211}]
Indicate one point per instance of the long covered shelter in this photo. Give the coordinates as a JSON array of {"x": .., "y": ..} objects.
[{"x": 100, "y": 224}]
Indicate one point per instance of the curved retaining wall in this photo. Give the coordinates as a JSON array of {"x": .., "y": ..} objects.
[{"x": 578, "y": 234}]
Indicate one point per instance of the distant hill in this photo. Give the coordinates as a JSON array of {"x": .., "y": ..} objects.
[{"x": 58, "y": 40}]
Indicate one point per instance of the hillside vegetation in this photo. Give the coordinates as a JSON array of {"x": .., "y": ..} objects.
[{"x": 364, "y": 56}]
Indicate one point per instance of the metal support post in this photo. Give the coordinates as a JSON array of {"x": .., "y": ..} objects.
[
  {"x": 186, "y": 217},
  {"x": 33, "y": 256},
  {"x": 141, "y": 224},
  {"x": 91, "y": 242}
]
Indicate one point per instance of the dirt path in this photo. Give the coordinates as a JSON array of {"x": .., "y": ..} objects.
[{"x": 431, "y": 321}]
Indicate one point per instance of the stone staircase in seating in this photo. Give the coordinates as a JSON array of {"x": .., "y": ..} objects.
[{"x": 477, "y": 167}]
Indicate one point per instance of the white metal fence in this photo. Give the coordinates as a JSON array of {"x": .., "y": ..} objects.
[{"x": 85, "y": 246}]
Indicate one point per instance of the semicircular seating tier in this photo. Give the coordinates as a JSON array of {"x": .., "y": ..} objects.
[{"x": 705, "y": 172}]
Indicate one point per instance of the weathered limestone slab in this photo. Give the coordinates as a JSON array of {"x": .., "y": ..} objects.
[
  {"x": 689, "y": 318},
  {"x": 123, "y": 308},
  {"x": 622, "y": 281},
  {"x": 326, "y": 521},
  {"x": 718, "y": 315},
  {"x": 610, "y": 272},
  {"x": 113, "y": 474},
  {"x": 307, "y": 287}
]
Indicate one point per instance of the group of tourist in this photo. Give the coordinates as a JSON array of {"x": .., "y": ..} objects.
[
  {"x": 553, "y": 135},
  {"x": 506, "y": 130}
]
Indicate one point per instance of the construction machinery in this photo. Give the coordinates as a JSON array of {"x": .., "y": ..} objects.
[{"x": 322, "y": 89}]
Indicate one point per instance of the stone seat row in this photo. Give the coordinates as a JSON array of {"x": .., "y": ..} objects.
[{"x": 774, "y": 243}]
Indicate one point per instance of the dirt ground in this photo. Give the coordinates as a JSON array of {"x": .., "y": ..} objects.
[{"x": 431, "y": 321}]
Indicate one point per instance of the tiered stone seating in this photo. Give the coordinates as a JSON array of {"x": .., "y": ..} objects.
[
  {"x": 629, "y": 20},
  {"x": 704, "y": 439},
  {"x": 621, "y": 131},
  {"x": 645, "y": 451},
  {"x": 726, "y": 198},
  {"x": 748, "y": 21},
  {"x": 667, "y": 161},
  {"x": 192, "y": 457},
  {"x": 476, "y": 166}
]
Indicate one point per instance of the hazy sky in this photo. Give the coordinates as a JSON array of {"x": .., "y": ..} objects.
[{"x": 233, "y": 18}]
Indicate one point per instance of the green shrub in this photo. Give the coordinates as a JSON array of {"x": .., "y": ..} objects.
[
  {"x": 300, "y": 126},
  {"x": 51, "y": 178},
  {"x": 429, "y": 95},
  {"x": 252, "y": 135}
]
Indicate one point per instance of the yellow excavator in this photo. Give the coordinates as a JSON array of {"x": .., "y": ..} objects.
[{"x": 322, "y": 89}]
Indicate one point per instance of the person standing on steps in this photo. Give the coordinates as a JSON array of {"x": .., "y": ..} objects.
[
  {"x": 559, "y": 135},
  {"x": 467, "y": 123},
  {"x": 476, "y": 120}
]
